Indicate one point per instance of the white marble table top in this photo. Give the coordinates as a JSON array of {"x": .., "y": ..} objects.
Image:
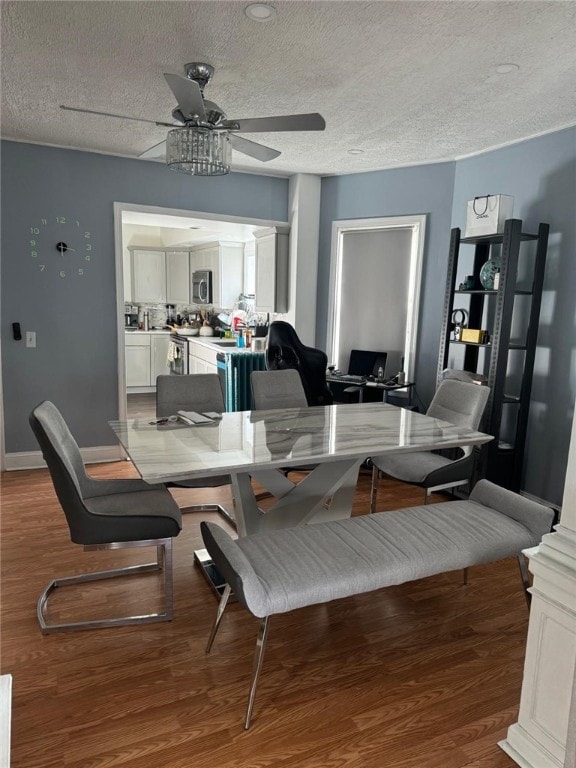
[{"x": 245, "y": 441}]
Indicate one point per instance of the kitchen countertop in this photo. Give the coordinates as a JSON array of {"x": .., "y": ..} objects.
[
  {"x": 211, "y": 342},
  {"x": 221, "y": 345}
]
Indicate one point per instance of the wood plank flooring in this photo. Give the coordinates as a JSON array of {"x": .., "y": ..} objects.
[{"x": 424, "y": 675}]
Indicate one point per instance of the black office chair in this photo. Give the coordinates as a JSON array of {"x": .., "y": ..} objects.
[
  {"x": 285, "y": 350},
  {"x": 104, "y": 514}
]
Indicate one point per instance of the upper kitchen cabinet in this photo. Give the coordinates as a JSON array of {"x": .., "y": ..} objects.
[
  {"x": 226, "y": 262},
  {"x": 160, "y": 276},
  {"x": 271, "y": 269},
  {"x": 177, "y": 277}
]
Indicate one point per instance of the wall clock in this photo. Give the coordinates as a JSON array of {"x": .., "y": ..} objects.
[{"x": 61, "y": 245}]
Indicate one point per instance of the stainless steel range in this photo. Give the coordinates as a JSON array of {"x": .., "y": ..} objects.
[{"x": 179, "y": 358}]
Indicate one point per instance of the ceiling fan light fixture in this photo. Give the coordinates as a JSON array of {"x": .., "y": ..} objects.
[
  {"x": 199, "y": 151},
  {"x": 260, "y": 11}
]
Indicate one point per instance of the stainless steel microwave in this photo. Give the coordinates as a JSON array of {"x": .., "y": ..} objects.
[{"x": 202, "y": 287}]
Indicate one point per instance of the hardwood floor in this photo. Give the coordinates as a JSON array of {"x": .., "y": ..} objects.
[{"x": 424, "y": 675}]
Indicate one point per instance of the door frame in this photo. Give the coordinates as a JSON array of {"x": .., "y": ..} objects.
[{"x": 417, "y": 225}]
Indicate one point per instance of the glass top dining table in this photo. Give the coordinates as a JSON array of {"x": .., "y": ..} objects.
[{"x": 256, "y": 444}]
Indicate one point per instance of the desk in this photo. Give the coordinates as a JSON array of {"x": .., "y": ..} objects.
[
  {"x": 372, "y": 384},
  {"x": 255, "y": 444}
]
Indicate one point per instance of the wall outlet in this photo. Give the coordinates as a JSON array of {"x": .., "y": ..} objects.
[{"x": 30, "y": 338}]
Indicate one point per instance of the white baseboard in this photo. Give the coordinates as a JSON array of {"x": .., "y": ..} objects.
[{"x": 34, "y": 460}]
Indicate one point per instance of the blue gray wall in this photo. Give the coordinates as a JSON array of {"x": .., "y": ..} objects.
[
  {"x": 423, "y": 189},
  {"x": 541, "y": 176},
  {"x": 75, "y": 361}
]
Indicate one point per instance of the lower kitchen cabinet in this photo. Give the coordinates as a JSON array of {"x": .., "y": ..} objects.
[
  {"x": 138, "y": 366},
  {"x": 158, "y": 356},
  {"x": 146, "y": 356},
  {"x": 201, "y": 359}
]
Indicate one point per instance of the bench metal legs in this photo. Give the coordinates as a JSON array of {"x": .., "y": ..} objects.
[
  {"x": 219, "y": 613},
  {"x": 257, "y": 666},
  {"x": 163, "y": 562},
  {"x": 258, "y": 654}
]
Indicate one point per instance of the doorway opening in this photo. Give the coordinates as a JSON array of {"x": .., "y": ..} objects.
[
  {"x": 167, "y": 228},
  {"x": 375, "y": 276}
]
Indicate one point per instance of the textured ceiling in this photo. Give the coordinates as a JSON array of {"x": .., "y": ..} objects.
[{"x": 403, "y": 80}]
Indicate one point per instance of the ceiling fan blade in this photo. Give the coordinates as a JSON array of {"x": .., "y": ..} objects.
[
  {"x": 188, "y": 95},
  {"x": 308, "y": 122},
  {"x": 158, "y": 150},
  {"x": 251, "y": 148},
  {"x": 121, "y": 117}
]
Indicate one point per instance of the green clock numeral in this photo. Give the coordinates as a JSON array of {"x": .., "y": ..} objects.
[
  {"x": 32, "y": 242},
  {"x": 44, "y": 221},
  {"x": 88, "y": 246},
  {"x": 42, "y": 267},
  {"x": 87, "y": 257},
  {"x": 87, "y": 235},
  {"x": 34, "y": 231},
  {"x": 62, "y": 273},
  {"x": 34, "y": 254},
  {"x": 60, "y": 220},
  {"x": 80, "y": 271}
]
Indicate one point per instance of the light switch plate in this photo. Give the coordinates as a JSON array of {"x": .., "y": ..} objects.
[{"x": 30, "y": 338}]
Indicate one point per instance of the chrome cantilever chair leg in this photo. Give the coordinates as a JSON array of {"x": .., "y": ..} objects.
[
  {"x": 258, "y": 660},
  {"x": 219, "y": 613},
  {"x": 163, "y": 562},
  {"x": 222, "y": 511}
]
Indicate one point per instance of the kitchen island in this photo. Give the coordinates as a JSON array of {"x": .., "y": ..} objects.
[{"x": 233, "y": 364}]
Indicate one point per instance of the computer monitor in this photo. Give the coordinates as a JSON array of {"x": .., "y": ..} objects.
[{"x": 364, "y": 362}]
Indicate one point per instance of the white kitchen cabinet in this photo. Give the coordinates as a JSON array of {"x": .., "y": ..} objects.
[
  {"x": 160, "y": 276},
  {"x": 226, "y": 262},
  {"x": 137, "y": 354},
  {"x": 271, "y": 269},
  {"x": 201, "y": 358},
  {"x": 177, "y": 277},
  {"x": 146, "y": 357},
  {"x": 149, "y": 276},
  {"x": 158, "y": 356}
]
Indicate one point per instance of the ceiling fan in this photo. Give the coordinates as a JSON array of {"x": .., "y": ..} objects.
[{"x": 202, "y": 137}]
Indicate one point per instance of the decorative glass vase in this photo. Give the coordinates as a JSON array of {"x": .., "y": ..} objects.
[{"x": 488, "y": 272}]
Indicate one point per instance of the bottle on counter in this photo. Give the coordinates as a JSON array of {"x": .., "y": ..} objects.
[{"x": 146, "y": 323}]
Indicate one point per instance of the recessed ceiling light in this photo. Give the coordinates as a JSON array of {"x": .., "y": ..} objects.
[
  {"x": 506, "y": 69},
  {"x": 260, "y": 11},
  {"x": 355, "y": 151}
]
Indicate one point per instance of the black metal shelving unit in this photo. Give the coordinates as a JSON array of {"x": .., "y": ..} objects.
[{"x": 508, "y": 363}]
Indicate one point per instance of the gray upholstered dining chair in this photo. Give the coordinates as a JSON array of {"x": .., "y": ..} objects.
[
  {"x": 104, "y": 514},
  {"x": 202, "y": 393},
  {"x": 280, "y": 388},
  {"x": 458, "y": 403},
  {"x": 277, "y": 389}
]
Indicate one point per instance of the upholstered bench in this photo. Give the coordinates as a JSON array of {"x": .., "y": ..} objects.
[{"x": 291, "y": 568}]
